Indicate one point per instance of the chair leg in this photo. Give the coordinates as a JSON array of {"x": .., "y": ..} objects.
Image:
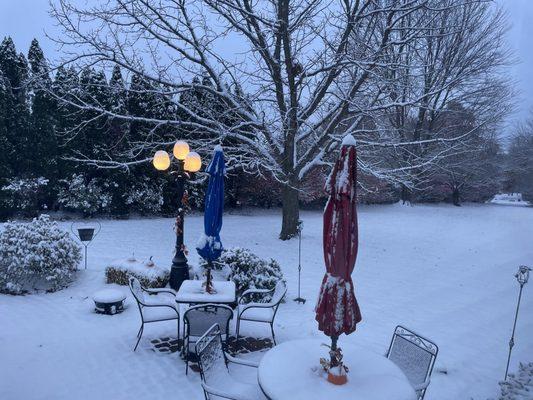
[
  {"x": 139, "y": 335},
  {"x": 273, "y": 336},
  {"x": 237, "y": 329},
  {"x": 178, "y": 332}
]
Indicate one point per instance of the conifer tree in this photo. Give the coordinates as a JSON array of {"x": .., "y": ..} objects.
[
  {"x": 15, "y": 73},
  {"x": 42, "y": 150}
]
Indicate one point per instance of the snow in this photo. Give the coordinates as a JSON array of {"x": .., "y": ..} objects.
[
  {"x": 108, "y": 296},
  {"x": 140, "y": 268},
  {"x": 193, "y": 292},
  {"x": 349, "y": 140},
  {"x": 292, "y": 372},
  {"x": 510, "y": 199},
  {"x": 445, "y": 272}
]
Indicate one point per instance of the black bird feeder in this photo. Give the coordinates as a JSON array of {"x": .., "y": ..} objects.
[{"x": 86, "y": 235}]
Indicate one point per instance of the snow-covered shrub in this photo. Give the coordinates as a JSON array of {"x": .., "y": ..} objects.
[
  {"x": 518, "y": 386},
  {"x": 88, "y": 197},
  {"x": 248, "y": 271},
  {"x": 24, "y": 194},
  {"x": 147, "y": 273},
  {"x": 144, "y": 196},
  {"x": 36, "y": 255}
]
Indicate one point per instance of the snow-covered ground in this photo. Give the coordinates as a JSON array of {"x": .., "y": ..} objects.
[{"x": 444, "y": 271}]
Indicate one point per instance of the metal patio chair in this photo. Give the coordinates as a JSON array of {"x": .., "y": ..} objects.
[
  {"x": 158, "y": 306},
  {"x": 260, "y": 312},
  {"x": 197, "y": 320},
  {"x": 415, "y": 355},
  {"x": 217, "y": 382}
]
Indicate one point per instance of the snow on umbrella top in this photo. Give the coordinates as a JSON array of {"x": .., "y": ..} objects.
[
  {"x": 337, "y": 310},
  {"x": 209, "y": 246}
]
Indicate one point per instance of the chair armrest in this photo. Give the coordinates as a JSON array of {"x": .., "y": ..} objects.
[
  {"x": 422, "y": 386},
  {"x": 160, "y": 305},
  {"x": 160, "y": 290},
  {"x": 246, "y": 306},
  {"x": 240, "y": 361},
  {"x": 217, "y": 392}
]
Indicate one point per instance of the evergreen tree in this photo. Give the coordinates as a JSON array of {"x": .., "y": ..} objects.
[
  {"x": 95, "y": 92},
  {"x": 42, "y": 150},
  {"x": 15, "y": 73}
]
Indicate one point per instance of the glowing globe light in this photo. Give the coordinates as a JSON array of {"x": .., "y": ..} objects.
[
  {"x": 181, "y": 149},
  {"x": 161, "y": 160},
  {"x": 193, "y": 162}
]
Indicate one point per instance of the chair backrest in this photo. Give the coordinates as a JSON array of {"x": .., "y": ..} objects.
[
  {"x": 414, "y": 354},
  {"x": 199, "y": 319},
  {"x": 279, "y": 293},
  {"x": 211, "y": 357},
  {"x": 136, "y": 289}
]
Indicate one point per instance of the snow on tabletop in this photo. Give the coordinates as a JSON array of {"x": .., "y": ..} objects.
[
  {"x": 294, "y": 367},
  {"x": 192, "y": 291},
  {"x": 138, "y": 267},
  {"x": 108, "y": 296},
  {"x": 349, "y": 140}
]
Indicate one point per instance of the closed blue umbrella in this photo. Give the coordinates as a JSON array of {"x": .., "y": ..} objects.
[{"x": 209, "y": 246}]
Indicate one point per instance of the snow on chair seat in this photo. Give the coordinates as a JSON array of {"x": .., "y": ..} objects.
[
  {"x": 217, "y": 382},
  {"x": 259, "y": 314}
]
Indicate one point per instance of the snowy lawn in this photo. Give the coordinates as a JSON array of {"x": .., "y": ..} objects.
[{"x": 443, "y": 271}]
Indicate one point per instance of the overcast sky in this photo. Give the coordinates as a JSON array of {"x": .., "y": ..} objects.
[{"x": 25, "y": 19}]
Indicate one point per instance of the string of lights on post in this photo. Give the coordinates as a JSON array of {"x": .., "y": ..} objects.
[{"x": 186, "y": 164}]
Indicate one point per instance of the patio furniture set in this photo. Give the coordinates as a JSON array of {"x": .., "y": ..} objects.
[
  {"x": 289, "y": 370},
  {"x": 204, "y": 309}
]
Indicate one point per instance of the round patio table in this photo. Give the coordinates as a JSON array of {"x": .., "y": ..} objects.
[{"x": 292, "y": 371}]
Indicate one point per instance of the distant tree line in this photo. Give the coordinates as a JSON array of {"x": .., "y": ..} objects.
[{"x": 57, "y": 155}]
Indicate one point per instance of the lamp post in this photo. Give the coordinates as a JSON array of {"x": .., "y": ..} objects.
[{"x": 187, "y": 163}]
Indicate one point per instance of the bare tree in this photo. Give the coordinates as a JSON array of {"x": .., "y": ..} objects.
[
  {"x": 519, "y": 168},
  {"x": 299, "y": 75}
]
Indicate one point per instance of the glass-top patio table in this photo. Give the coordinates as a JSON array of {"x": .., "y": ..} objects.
[
  {"x": 291, "y": 371},
  {"x": 191, "y": 291}
]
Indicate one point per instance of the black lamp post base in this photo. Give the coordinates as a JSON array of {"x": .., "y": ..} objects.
[
  {"x": 178, "y": 274},
  {"x": 299, "y": 300}
]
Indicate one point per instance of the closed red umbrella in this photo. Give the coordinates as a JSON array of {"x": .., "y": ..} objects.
[{"x": 337, "y": 310}]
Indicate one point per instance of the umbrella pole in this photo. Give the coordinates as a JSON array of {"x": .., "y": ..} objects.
[
  {"x": 333, "y": 351},
  {"x": 208, "y": 281}
]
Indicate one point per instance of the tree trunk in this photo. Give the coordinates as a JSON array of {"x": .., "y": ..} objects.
[
  {"x": 405, "y": 195},
  {"x": 291, "y": 212},
  {"x": 456, "y": 196}
]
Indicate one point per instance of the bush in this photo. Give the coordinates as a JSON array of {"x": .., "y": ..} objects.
[
  {"x": 152, "y": 276},
  {"x": 26, "y": 195},
  {"x": 88, "y": 197},
  {"x": 34, "y": 254},
  {"x": 248, "y": 271},
  {"x": 518, "y": 386},
  {"x": 144, "y": 196}
]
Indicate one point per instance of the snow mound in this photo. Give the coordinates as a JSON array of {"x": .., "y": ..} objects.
[{"x": 349, "y": 140}]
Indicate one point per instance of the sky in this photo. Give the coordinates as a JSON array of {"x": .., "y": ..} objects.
[{"x": 25, "y": 19}]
